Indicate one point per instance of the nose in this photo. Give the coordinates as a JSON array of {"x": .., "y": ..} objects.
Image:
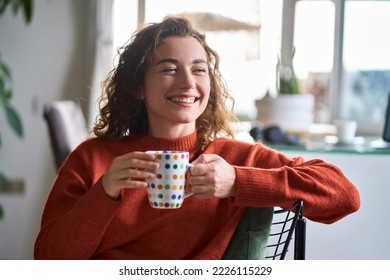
[{"x": 187, "y": 80}]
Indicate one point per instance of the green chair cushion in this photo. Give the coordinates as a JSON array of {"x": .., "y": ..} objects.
[{"x": 251, "y": 236}]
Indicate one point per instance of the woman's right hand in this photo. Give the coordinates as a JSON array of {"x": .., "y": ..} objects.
[{"x": 128, "y": 171}]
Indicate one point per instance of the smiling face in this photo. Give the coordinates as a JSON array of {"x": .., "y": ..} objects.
[{"x": 177, "y": 87}]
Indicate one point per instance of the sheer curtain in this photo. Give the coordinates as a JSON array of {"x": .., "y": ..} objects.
[{"x": 103, "y": 52}]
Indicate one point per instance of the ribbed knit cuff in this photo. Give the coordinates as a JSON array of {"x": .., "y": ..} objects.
[
  {"x": 258, "y": 188},
  {"x": 96, "y": 207}
]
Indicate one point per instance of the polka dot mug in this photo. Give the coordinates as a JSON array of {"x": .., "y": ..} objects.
[{"x": 167, "y": 190}]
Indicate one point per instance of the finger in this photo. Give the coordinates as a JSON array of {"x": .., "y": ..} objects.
[
  {"x": 136, "y": 161},
  {"x": 199, "y": 189},
  {"x": 201, "y": 169},
  {"x": 202, "y": 192},
  {"x": 134, "y": 174},
  {"x": 198, "y": 180},
  {"x": 138, "y": 155},
  {"x": 206, "y": 158},
  {"x": 140, "y": 164},
  {"x": 117, "y": 179},
  {"x": 132, "y": 184},
  {"x": 129, "y": 179},
  {"x": 142, "y": 175}
]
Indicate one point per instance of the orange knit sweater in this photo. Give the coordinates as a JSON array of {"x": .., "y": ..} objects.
[{"x": 81, "y": 222}]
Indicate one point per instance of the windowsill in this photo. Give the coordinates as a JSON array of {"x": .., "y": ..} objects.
[
  {"x": 362, "y": 145},
  {"x": 321, "y": 138}
]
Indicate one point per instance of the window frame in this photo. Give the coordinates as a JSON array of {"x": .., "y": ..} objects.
[{"x": 335, "y": 97}]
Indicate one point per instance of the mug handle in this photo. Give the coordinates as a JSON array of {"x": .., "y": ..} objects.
[
  {"x": 189, "y": 165},
  {"x": 188, "y": 194}
]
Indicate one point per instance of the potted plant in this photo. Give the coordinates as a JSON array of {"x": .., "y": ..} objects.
[
  {"x": 289, "y": 108},
  {"x": 287, "y": 81},
  {"x": 6, "y": 92}
]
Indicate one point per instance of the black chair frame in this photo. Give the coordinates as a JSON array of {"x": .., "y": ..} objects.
[{"x": 287, "y": 225}]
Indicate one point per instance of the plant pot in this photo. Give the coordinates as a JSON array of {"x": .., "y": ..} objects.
[{"x": 292, "y": 112}]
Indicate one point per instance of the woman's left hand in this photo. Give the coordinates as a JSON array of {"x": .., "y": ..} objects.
[{"x": 211, "y": 176}]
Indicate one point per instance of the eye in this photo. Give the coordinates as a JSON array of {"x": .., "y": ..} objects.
[
  {"x": 200, "y": 70},
  {"x": 170, "y": 70}
]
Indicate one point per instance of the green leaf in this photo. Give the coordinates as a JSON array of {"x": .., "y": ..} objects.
[
  {"x": 5, "y": 95},
  {"x": 14, "y": 120},
  {"x": 5, "y": 72},
  {"x": 2, "y": 88},
  {"x": 16, "y": 6},
  {"x": 3, "y": 5},
  {"x": 5, "y": 82},
  {"x": 26, "y": 5},
  {"x": 27, "y": 8}
]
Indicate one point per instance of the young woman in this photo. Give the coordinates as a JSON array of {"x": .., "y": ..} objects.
[{"x": 166, "y": 93}]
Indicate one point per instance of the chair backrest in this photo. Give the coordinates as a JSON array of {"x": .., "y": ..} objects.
[
  {"x": 67, "y": 127},
  {"x": 286, "y": 226},
  {"x": 266, "y": 233}
]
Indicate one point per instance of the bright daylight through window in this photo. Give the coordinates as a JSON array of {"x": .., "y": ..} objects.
[
  {"x": 366, "y": 61},
  {"x": 358, "y": 90},
  {"x": 362, "y": 79}
]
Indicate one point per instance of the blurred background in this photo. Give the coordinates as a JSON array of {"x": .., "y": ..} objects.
[{"x": 338, "y": 49}]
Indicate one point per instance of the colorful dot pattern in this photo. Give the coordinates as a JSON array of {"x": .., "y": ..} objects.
[{"x": 166, "y": 190}]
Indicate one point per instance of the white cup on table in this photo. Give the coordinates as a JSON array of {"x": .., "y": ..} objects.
[{"x": 345, "y": 130}]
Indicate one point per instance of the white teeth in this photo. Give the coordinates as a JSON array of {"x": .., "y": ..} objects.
[{"x": 183, "y": 99}]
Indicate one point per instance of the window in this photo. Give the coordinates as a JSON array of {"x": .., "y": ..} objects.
[
  {"x": 313, "y": 59},
  {"x": 125, "y": 18},
  {"x": 349, "y": 70},
  {"x": 366, "y": 64}
]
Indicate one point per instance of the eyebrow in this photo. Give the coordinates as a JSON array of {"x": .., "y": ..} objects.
[{"x": 175, "y": 61}]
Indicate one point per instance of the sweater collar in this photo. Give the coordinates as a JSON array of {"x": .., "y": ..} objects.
[{"x": 185, "y": 143}]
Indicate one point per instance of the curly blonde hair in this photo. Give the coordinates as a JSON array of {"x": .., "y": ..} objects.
[{"x": 122, "y": 113}]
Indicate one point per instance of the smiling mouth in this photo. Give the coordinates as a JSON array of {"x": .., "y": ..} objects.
[{"x": 187, "y": 100}]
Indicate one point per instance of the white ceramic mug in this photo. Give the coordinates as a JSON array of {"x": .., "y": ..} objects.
[
  {"x": 346, "y": 131},
  {"x": 167, "y": 190}
]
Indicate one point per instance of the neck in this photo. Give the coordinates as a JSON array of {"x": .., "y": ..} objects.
[{"x": 172, "y": 132}]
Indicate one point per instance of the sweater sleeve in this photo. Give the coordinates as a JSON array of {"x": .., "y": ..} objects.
[
  {"x": 268, "y": 178},
  {"x": 74, "y": 219}
]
